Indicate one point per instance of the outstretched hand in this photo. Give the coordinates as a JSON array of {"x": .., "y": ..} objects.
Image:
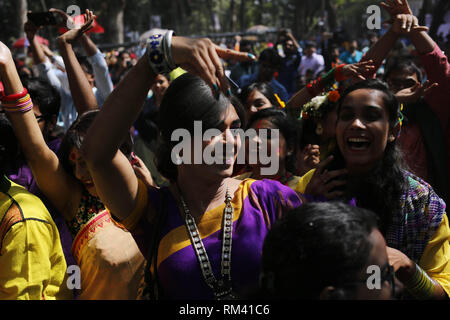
[
  {"x": 357, "y": 70},
  {"x": 203, "y": 58},
  {"x": 73, "y": 34},
  {"x": 411, "y": 95}
]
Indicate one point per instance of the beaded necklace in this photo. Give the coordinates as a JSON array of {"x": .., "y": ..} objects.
[{"x": 222, "y": 288}]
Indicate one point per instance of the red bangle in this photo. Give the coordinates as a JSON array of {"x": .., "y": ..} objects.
[
  {"x": 16, "y": 96},
  {"x": 338, "y": 73},
  {"x": 2, "y": 90}
]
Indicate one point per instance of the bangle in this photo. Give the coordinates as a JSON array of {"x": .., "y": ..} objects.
[
  {"x": 21, "y": 105},
  {"x": 16, "y": 96},
  {"x": 159, "y": 50},
  {"x": 421, "y": 285},
  {"x": 317, "y": 86},
  {"x": 338, "y": 73}
]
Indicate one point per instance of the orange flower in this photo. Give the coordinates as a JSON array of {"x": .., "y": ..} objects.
[{"x": 334, "y": 96}]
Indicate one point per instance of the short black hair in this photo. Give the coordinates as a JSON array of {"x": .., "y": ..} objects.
[
  {"x": 45, "y": 95},
  {"x": 288, "y": 127},
  {"x": 84, "y": 62},
  {"x": 264, "y": 88},
  {"x": 314, "y": 246},
  {"x": 405, "y": 65},
  {"x": 271, "y": 55}
]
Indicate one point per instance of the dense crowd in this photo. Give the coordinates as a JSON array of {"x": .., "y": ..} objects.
[{"x": 93, "y": 178}]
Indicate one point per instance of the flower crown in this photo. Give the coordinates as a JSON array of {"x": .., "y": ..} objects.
[{"x": 316, "y": 108}]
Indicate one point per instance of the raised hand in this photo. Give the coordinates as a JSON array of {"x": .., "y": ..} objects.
[
  {"x": 411, "y": 95},
  {"x": 395, "y": 7},
  {"x": 202, "y": 58},
  {"x": 72, "y": 35},
  {"x": 357, "y": 70},
  {"x": 30, "y": 29},
  {"x": 323, "y": 181},
  {"x": 405, "y": 23}
]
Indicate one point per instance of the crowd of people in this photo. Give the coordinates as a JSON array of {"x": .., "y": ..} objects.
[{"x": 90, "y": 177}]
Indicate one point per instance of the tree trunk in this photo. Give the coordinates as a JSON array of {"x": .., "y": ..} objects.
[
  {"x": 330, "y": 6},
  {"x": 242, "y": 22},
  {"x": 113, "y": 21},
  {"x": 20, "y": 17}
]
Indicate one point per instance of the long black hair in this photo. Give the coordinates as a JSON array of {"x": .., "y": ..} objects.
[
  {"x": 189, "y": 99},
  {"x": 315, "y": 246},
  {"x": 262, "y": 87},
  {"x": 381, "y": 189}
]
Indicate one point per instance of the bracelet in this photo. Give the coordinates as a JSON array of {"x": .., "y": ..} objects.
[
  {"x": 338, "y": 73},
  {"x": 16, "y": 96},
  {"x": 317, "y": 86},
  {"x": 159, "y": 50},
  {"x": 21, "y": 105},
  {"x": 2, "y": 91},
  {"x": 421, "y": 285}
]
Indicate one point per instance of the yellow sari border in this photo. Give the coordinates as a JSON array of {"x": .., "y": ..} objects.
[{"x": 211, "y": 222}]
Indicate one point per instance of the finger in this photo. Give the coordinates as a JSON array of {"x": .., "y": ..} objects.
[
  {"x": 337, "y": 173},
  {"x": 404, "y": 21},
  {"x": 229, "y": 54},
  {"x": 334, "y": 184},
  {"x": 416, "y": 87},
  {"x": 420, "y": 28},
  {"x": 201, "y": 69},
  {"x": 323, "y": 164},
  {"x": 220, "y": 71},
  {"x": 409, "y": 23}
]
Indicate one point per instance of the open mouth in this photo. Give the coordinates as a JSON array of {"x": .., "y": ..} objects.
[{"x": 358, "y": 144}]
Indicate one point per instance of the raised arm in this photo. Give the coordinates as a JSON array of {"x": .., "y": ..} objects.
[
  {"x": 55, "y": 183},
  {"x": 113, "y": 175},
  {"x": 402, "y": 21},
  {"x": 35, "y": 47},
  {"x": 103, "y": 80},
  {"x": 318, "y": 86},
  {"x": 82, "y": 95}
]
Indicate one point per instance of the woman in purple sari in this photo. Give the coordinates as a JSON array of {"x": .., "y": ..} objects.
[{"x": 203, "y": 235}]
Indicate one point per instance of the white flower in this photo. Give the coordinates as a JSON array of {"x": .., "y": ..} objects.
[{"x": 318, "y": 101}]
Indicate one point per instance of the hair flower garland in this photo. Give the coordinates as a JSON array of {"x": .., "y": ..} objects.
[{"x": 318, "y": 106}]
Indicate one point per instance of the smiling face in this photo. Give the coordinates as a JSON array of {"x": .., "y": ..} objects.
[
  {"x": 256, "y": 101},
  {"x": 230, "y": 121},
  {"x": 363, "y": 130},
  {"x": 281, "y": 145}
]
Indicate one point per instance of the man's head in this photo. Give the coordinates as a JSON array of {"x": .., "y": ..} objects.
[
  {"x": 326, "y": 251},
  {"x": 269, "y": 62},
  {"x": 402, "y": 74},
  {"x": 310, "y": 49},
  {"x": 87, "y": 69},
  {"x": 353, "y": 46},
  {"x": 46, "y": 103}
]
